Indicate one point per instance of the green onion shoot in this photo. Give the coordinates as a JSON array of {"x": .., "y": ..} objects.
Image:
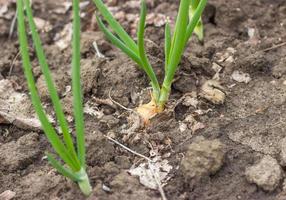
[
  {"x": 175, "y": 44},
  {"x": 73, "y": 157}
]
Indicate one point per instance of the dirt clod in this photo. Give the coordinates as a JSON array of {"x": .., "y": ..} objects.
[
  {"x": 89, "y": 74},
  {"x": 203, "y": 158},
  {"x": 18, "y": 155},
  {"x": 266, "y": 174}
]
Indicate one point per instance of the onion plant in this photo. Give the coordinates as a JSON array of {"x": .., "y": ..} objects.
[
  {"x": 175, "y": 44},
  {"x": 199, "y": 29},
  {"x": 74, "y": 166}
]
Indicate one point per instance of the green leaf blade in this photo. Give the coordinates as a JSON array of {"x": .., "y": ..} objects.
[
  {"x": 177, "y": 47},
  {"x": 47, "y": 127},
  {"x": 61, "y": 169},
  {"x": 195, "y": 19},
  {"x": 168, "y": 38},
  {"x": 142, "y": 53},
  {"x": 76, "y": 84},
  {"x": 178, "y": 43},
  {"x": 50, "y": 83},
  {"x": 116, "y": 27},
  {"x": 118, "y": 43}
]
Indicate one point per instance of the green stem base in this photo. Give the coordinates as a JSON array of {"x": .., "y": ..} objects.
[
  {"x": 164, "y": 96},
  {"x": 83, "y": 183}
]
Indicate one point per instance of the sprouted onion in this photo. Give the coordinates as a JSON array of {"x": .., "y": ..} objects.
[
  {"x": 74, "y": 166},
  {"x": 188, "y": 19}
]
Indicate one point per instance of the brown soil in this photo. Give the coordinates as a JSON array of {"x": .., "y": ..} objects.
[{"x": 249, "y": 125}]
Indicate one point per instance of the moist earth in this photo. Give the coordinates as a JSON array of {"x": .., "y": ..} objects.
[{"x": 227, "y": 144}]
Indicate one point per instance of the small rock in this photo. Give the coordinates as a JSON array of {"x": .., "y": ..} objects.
[
  {"x": 18, "y": 155},
  {"x": 265, "y": 174},
  {"x": 203, "y": 158}
]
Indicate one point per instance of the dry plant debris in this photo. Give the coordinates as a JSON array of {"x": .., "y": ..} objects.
[{"x": 146, "y": 172}]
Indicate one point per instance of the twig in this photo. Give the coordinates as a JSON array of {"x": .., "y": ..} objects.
[
  {"x": 128, "y": 149},
  {"x": 118, "y": 104},
  {"x": 274, "y": 47},
  {"x": 107, "y": 102},
  {"x": 12, "y": 63},
  {"x": 160, "y": 188},
  {"x": 150, "y": 163},
  {"x": 12, "y": 27},
  {"x": 98, "y": 53}
]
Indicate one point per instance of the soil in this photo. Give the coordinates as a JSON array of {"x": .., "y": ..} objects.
[{"x": 240, "y": 35}]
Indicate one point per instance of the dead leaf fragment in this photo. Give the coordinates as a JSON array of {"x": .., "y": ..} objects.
[
  {"x": 42, "y": 24},
  {"x": 147, "y": 171},
  {"x": 63, "y": 39},
  {"x": 213, "y": 91},
  {"x": 241, "y": 77},
  {"x": 193, "y": 124},
  {"x": 191, "y": 101}
]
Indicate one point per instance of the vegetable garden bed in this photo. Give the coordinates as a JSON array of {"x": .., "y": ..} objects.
[{"x": 224, "y": 119}]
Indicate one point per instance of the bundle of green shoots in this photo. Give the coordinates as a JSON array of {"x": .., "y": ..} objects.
[
  {"x": 175, "y": 45},
  {"x": 75, "y": 168}
]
